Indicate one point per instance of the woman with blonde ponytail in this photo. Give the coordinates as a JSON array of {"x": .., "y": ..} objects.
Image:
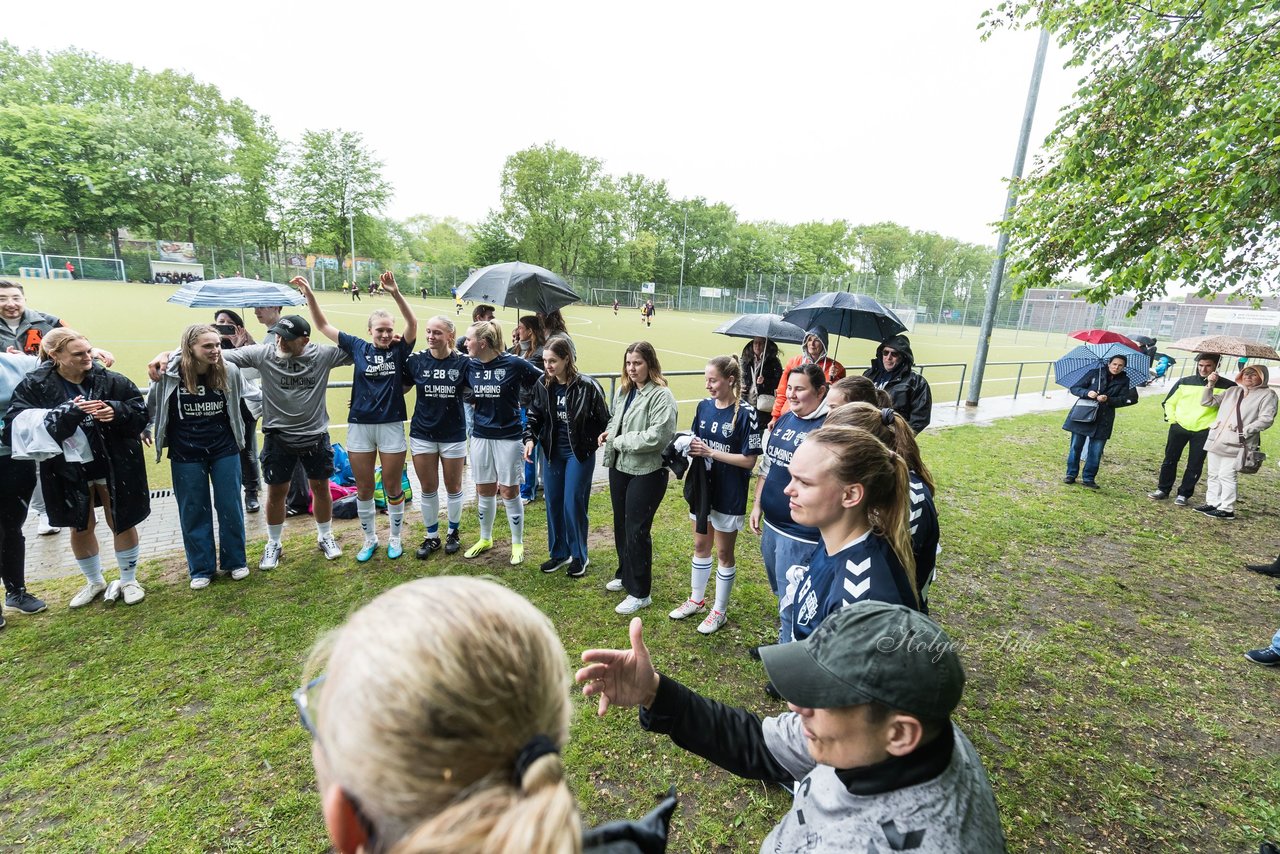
[
  {"x": 854, "y": 490},
  {"x": 894, "y": 430},
  {"x": 437, "y": 724}
]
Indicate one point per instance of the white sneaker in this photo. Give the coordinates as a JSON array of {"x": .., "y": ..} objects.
[
  {"x": 87, "y": 594},
  {"x": 330, "y": 547},
  {"x": 631, "y": 604},
  {"x": 713, "y": 622},
  {"x": 614, "y": 586},
  {"x": 271, "y": 556},
  {"x": 240, "y": 573},
  {"x": 687, "y": 609},
  {"x": 113, "y": 592},
  {"x": 132, "y": 592},
  {"x": 45, "y": 528},
  {"x": 199, "y": 583}
]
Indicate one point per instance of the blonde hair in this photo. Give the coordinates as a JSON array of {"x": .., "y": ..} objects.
[
  {"x": 887, "y": 426},
  {"x": 57, "y": 340},
  {"x": 491, "y": 332},
  {"x": 432, "y": 691},
  {"x": 731, "y": 369},
  {"x": 215, "y": 375},
  {"x": 857, "y": 456},
  {"x": 380, "y": 312},
  {"x": 450, "y": 330}
]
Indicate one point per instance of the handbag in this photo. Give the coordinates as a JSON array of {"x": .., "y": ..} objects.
[
  {"x": 1251, "y": 456},
  {"x": 765, "y": 402},
  {"x": 1085, "y": 411}
]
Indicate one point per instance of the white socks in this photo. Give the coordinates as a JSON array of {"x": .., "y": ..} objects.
[
  {"x": 515, "y": 518},
  {"x": 486, "y": 509},
  {"x": 324, "y": 529},
  {"x": 429, "y": 504},
  {"x": 127, "y": 560},
  {"x": 724, "y": 586},
  {"x": 395, "y": 512},
  {"x": 274, "y": 532},
  {"x": 455, "y": 510},
  {"x": 698, "y": 579},
  {"x": 367, "y": 511},
  {"x": 92, "y": 568}
]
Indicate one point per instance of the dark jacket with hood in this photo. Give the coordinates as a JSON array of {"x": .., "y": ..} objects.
[
  {"x": 118, "y": 442},
  {"x": 768, "y": 368},
  {"x": 912, "y": 398},
  {"x": 833, "y": 370},
  {"x": 1118, "y": 392},
  {"x": 588, "y": 417}
]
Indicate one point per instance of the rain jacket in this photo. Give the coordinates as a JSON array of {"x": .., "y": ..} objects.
[
  {"x": 31, "y": 331},
  {"x": 1119, "y": 393},
  {"x": 1257, "y": 413},
  {"x": 588, "y": 417},
  {"x": 912, "y": 398},
  {"x": 1182, "y": 405},
  {"x": 768, "y": 368},
  {"x": 638, "y": 433},
  {"x": 66, "y": 493},
  {"x": 833, "y": 369}
]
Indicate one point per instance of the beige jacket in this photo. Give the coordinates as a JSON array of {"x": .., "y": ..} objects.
[{"x": 1257, "y": 413}]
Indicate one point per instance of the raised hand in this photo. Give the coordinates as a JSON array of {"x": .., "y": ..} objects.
[{"x": 620, "y": 677}]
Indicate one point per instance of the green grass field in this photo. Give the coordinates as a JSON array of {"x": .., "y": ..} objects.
[{"x": 1102, "y": 634}]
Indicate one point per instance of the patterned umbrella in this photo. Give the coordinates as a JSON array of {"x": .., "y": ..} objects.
[
  {"x": 770, "y": 326},
  {"x": 236, "y": 292},
  {"x": 1226, "y": 345},
  {"x": 1073, "y": 367}
]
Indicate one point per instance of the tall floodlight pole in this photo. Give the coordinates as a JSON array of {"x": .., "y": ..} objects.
[
  {"x": 684, "y": 236},
  {"x": 351, "y": 221},
  {"x": 1002, "y": 243}
]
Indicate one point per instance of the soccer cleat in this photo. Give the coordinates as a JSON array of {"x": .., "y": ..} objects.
[
  {"x": 430, "y": 545},
  {"x": 713, "y": 622},
  {"x": 271, "y": 556},
  {"x": 394, "y": 549},
  {"x": 240, "y": 573},
  {"x": 554, "y": 563},
  {"x": 479, "y": 548},
  {"x": 131, "y": 592},
  {"x": 687, "y": 609},
  {"x": 366, "y": 551},
  {"x": 452, "y": 544},
  {"x": 517, "y": 554},
  {"x": 199, "y": 582},
  {"x": 330, "y": 547},
  {"x": 87, "y": 594}
]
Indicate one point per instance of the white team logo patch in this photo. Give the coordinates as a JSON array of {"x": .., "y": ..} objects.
[
  {"x": 499, "y": 374},
  {"x": 728, "y": 429},
  {"x": 454, "y": 373}
]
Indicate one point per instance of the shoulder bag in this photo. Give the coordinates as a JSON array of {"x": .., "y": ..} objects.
[{"x": 1251, "y": 456}]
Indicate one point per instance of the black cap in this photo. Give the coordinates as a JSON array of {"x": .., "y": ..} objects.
[{"x": 291, "y": 327}]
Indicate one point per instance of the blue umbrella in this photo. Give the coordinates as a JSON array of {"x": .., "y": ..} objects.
[
  {"x": 847, "y": 315},
  {"x": 769, "y": 326},
  {"x": 235, "y": 292},
  {"x": 1073, "y": 367}
]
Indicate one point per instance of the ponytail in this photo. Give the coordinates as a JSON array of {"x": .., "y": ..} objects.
[
  {"x": 731, "y": 369},
  {"x": 889, "y": 427}
]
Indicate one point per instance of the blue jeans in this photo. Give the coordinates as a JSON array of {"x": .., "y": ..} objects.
[
  {"x": 529, "y": 489},
  {"x": 780, "y": 553},
  {"x": 1091, "y": 449},
  {"x": 195, "y": 513},
  {"x": 566, "y": 487},
  {"x": 1275, "y": 642}
]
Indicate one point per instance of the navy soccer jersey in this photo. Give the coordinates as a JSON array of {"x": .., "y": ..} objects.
[
  {"x": 720, "y": 430},
  {"x": 376, "y": 393},
  {"x": 495, "y": 390},
  {"x": 866, "y": 569},
  {"x": 787, "y": 434},
  {"x": 924, "y": 537},
  {"x": 438, "y": 416},
  {"x": 199, "y": 425}
]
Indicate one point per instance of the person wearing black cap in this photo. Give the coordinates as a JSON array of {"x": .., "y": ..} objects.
[
  {"x": 891, "y": 370},
  {"x": 869, "y": 738}
]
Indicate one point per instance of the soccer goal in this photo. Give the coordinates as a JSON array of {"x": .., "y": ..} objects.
[
  {"x": 660, "y": 300},
  {"x": 110, "y": 269},
  {"x": 606, "y": 296}
]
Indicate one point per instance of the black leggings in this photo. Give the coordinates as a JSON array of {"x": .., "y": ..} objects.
[
  {"x": 19, "y": 478},
  {"x": 635, "y": 501}
]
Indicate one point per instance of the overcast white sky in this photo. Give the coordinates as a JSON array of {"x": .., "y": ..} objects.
[{"x": 791, "y": 112}]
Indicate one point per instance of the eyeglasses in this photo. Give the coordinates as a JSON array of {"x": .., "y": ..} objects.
[{"x": 303, "y": 698}]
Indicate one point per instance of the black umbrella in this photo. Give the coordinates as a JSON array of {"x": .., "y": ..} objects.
[
  {"x": 1145, "y": 340},
  {"x": 847, "y": 315},
  {"x": 769, "y": 326},
  {"x": 518, "y": 285}
]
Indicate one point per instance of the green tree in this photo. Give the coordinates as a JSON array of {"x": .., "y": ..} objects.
[
  {"x": 494, "y": 243},
  {"x": 435, "y": 240},
  {"x": 332, "y": 178},
  {"x": 1166, "y": 167}
]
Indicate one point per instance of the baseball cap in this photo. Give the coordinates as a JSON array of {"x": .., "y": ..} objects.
[
  {"x": 291, "y": 326},
  {"x": 870, "y": 651}
]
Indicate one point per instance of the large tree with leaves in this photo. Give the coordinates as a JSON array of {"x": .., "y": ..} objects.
[
  {"x": 1165, "y": 169},
  {"x": 333, "y": 178}
]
